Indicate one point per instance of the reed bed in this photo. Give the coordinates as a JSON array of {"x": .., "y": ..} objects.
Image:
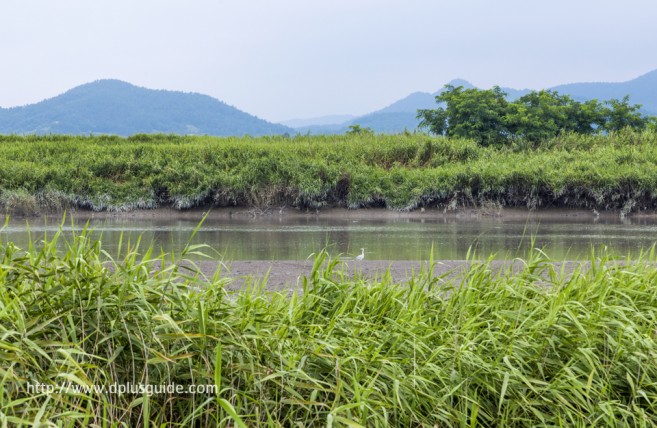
[
  {"x": 510, "y": 348},
  {"x": 400, "y": 172}
]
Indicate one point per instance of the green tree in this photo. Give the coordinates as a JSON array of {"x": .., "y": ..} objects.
[
  {"x": 622, "y": 115},
  {"x": 538, "y": 115},
  {"x": 488, "y": 118},
  {"x": 469, "y": 113},
  {"x": 587, "y": 117},
  {"x": 359, "y": 130},
  {"x": 542, "y": 115}
]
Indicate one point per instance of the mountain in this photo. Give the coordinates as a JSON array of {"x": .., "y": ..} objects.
[
  {"x": 642, "y": 90},
  {"x": 401, "y": 114},
  {"x": 411, "y": 103},
  {"x": 333, "y": 119},
  {"x": 397, "y": 117},
  {"x": 116, "y": 107}
]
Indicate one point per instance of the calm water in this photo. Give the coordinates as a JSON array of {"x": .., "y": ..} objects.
[{"x": 267, "y": 238}]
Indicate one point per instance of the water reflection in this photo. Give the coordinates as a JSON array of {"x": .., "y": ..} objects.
[{"x": 284, "y": 238}]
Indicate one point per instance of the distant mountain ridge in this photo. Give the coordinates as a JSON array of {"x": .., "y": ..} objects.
[
  {"x": 116, "y": 107},
  {"x": 642, "y": 90},
  {"x": 321, "y": 121},
  {"x": 401, "y": 114}
]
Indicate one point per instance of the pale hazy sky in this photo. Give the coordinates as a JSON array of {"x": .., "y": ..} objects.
[{"x": 284, "y": 59}]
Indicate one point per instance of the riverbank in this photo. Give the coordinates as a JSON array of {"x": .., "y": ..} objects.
[
  {"x": 285, "y": 212},
  {"x": 406, "y": 172}
]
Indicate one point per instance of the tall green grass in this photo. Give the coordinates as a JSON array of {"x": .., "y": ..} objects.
[
  {"x": 527, "y": 347},
  {"x": 407, "y": 171}
]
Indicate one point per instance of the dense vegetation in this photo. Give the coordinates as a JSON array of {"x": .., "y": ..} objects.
[
  {"x": 487, "y": 117},
  {"x": 524, "y": 348},
  {"x": 404, "y": 172}
]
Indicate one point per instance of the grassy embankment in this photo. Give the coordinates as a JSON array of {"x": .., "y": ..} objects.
[
  {"x": 398, "y": 172},
  {"x": 511, "y": 349}
]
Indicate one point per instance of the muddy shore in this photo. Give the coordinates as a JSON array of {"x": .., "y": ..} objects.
[
  {"x": 289, "y": 274},
  {"x": 548, "y": 214}
]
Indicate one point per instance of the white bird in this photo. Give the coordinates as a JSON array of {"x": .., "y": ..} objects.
[{"x": 361, "y": 256}]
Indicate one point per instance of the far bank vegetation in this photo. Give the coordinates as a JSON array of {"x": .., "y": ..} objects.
[{"x": 542, "y": 150}]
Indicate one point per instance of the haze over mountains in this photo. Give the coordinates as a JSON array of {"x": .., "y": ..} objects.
[
  {"x": 401, "y": 114},
  {"x": 116, "y": 107}
]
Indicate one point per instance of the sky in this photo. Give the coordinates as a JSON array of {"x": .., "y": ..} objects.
[{"x": 289, "y": 59}]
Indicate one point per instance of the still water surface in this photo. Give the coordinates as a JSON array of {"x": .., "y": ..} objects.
[{"x": 282, "y": 238}]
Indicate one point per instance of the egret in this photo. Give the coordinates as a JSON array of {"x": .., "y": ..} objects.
[{"x": 361, "y": 256}]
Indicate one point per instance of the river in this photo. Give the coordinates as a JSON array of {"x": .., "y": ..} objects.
[{"x": 384, "y": 237}]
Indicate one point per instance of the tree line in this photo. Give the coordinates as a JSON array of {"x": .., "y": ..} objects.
[{"x": 487, "y": 117}]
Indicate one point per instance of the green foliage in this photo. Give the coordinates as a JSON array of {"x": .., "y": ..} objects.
[
  {"x": 407, "y": 171},
  {"x": 527, "y": 346},
  {"x": 358, "y": 130},
  {"x": 486, "y": 116},
  {"x": 623, "y": 115},
  {"x": 542, "y": 115},
  {"x": 471, "y": 113}
]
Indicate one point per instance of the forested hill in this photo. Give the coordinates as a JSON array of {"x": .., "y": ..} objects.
[
  {"x": 116, "y": 107},
  {"x": 402, "y": 113}
]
